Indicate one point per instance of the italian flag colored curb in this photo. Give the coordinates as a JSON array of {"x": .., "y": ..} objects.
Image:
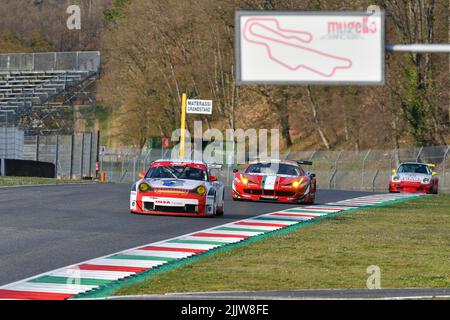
[{"x": 92, "y": 277}]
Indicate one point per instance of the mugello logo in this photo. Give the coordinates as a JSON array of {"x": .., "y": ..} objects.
[{"x": 358, "y": 26}]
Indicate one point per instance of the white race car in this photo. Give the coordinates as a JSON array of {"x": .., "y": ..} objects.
[{"x": 178, "y": 187}]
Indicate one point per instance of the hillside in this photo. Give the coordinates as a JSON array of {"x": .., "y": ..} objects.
[{"x": 153, "y": 51}]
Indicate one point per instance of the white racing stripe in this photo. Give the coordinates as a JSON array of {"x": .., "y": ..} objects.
[
  {"x": 92, "y": 274},
  {"x": 127, "y": 263},
  {"x": 216, "y": 239},
  {"x": 271, "y": 221},
  {"x": 154, "y": 253},
  {"x": 184, "y": 245},
  {"x": 242, "y": 226},
  {"x": 232, "y": 232},
  {"x": 290, "y": 215},
  {"x": 51, "y": 288}
]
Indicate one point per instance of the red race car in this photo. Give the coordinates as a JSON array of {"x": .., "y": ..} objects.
[
  {"x": 414, "y": 177},
  {"x": 275, "y": 180},
  {"x": 178, "y": 187}
]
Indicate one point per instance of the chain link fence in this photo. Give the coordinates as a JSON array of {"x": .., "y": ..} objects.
[
  {"x": 74, "y": 155},
  {"x": 368, "y": 170}
]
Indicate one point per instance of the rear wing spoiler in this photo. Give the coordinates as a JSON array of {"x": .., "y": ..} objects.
[
  {"x": 214, "y": 166},
  {"x": 305, "y": 163}
]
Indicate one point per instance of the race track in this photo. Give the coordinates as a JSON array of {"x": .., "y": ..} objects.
[{"x": 47, "y": 227}]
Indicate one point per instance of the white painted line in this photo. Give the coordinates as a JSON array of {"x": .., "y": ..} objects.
[
  {"x": 163, "y": 254},
  {"x": 92, "y": 274},
  {"x": 127, "y": 263},
  {"x": 232, "y": 232},
  {"x": 52, "y": 288},
  {"x": 184, "y": 245},
  {"x": 217, "y": 239}
]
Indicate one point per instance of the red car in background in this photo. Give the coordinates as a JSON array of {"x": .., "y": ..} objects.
[{"x": 275, "y": 180}]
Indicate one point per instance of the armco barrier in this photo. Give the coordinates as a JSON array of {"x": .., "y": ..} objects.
[{"x": 28, "y": 168}]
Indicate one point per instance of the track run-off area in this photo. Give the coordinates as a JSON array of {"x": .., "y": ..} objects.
[{"x": 66, "y": 228}]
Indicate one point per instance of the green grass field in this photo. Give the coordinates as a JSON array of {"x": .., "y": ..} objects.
[
  {"x": 409, "y": 241},
  {"x": 21, "y": 181}
]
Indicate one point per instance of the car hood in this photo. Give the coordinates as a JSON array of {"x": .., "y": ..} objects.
[
  {"x": 413, "y": 177},
  {"x": 175, "y": 183}
]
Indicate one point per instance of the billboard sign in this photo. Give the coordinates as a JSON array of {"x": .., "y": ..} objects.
[{"x": 309, "y": 47}]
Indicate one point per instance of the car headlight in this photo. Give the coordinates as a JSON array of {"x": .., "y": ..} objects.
[
  {"x": 144, "y": 187},
  {"x": 244, "y": 179},
  {"x": 426, "y": 181},
  {"x": 200, "y": 190},
  {"x": 297, "y": 183},
  {"x": 396, "y": 178}
]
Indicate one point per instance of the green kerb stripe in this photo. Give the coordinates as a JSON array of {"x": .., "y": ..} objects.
[
  {"x": 67, "y": 280},
  {"x": 198, "y": 242},
  {"x": 136, "y": 257},
  {"x": 241, "y": 229}
]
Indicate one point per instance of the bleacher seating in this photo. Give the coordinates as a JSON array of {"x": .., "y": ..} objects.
[{"x": 32, "y": 80}]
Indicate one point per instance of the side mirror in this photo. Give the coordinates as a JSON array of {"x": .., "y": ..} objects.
[
  {"x": 434, "y": 173},
  {"x": 312, "y": 175},
  {"x": 142, "y": 175},
  {"x": 394, "y": 171},
  {"x": 235, "y": 170},
  {"x": 212, "y": 178}
]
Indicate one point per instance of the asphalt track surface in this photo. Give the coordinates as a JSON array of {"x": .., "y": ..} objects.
[{"x": 48, "y": 227}]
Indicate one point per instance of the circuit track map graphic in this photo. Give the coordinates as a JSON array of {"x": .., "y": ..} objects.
[
  {"x": 310, "y": 47},
  {"x": 267, "y": 32}
]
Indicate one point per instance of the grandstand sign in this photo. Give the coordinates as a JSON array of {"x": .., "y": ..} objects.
[
  {"x": 277, "y": 47},
  {"x": 199, "y": 106}
]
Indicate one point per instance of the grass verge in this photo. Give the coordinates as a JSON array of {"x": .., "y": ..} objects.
[
  {"x": 22, "y": 181},
  {"x": 410, "y": 242}
]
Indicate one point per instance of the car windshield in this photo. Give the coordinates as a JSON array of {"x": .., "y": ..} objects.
[
  {"x": 274, "y": 168},
  {"x": 413, "y": 168},
  {"x": 177, "y": 172}
]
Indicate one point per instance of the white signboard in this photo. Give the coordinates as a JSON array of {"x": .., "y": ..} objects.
[
  {"x": 199, "y": 106},
  {"x": 274, "y": 47}
]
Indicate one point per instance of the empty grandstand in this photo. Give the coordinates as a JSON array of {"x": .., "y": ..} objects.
[{"x": 34, "y": 86}]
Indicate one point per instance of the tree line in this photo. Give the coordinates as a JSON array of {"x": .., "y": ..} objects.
[{"x": 154, "y": 50}]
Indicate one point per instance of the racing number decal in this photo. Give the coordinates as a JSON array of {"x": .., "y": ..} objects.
[{"x": 268, "y": 182}]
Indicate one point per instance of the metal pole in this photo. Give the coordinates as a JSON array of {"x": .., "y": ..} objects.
[
  {"x": 82, "y": 156},
  {"x": 418, "y": 155},
  {"x": 97, "y": 155},
  {"x": 419, "y": 48},
  {"x": 56, "y": 156},
  {"x": 134, "y": 169},
  {"x": 71, "y": 155},
  {"x": 37, "y": 148},
  {"x": 336, "y": 167},
  {"x": 363, "y": 169},
  {"x": 444, "y": 167},
  {"x": 90, "y": 153},
  {"x": 6, "y": 135},
  {"x": 374, "y": 179}
]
